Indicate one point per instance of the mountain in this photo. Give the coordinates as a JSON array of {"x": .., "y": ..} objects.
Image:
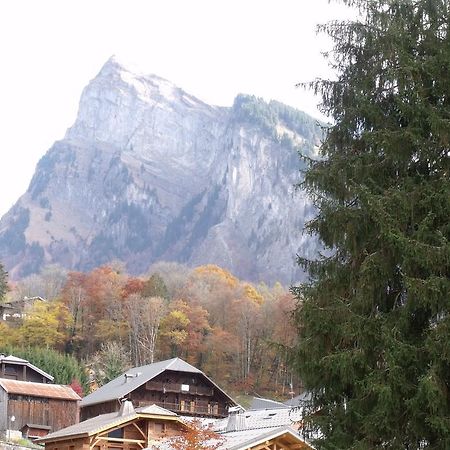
[{"x": 148, "y": 172}]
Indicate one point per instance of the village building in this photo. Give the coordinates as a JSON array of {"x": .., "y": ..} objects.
[
  {"x": 281, "y": 438},
  {"x": 276, "y": 427},
  {"x": 153, "y": 427},
  {"x": 18, "y": 308},
  {"x": 37, "y": 408},
  {"x": 172, "y": 384},
  {"x": 13, "y": 368},
  {"x": 126, "y": 429}
]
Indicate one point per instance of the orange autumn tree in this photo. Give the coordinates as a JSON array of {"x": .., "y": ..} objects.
[{"x": 196, "y": 436}]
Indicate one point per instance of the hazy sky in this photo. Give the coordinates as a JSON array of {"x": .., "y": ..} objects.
[{"x": 213, "y": 49}]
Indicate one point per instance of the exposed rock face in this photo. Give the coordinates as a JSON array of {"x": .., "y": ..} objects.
[{"x": 148, "y": 173}]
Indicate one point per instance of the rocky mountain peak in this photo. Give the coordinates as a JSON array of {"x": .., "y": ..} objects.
[{"x": 148, "y": 172}]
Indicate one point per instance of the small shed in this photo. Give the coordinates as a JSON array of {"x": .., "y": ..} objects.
[
  {"x": 44, "y": 405},
  {"x": 34, "y": 431}
]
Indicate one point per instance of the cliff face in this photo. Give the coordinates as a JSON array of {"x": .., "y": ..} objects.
[{"x": 149, "y": 172}]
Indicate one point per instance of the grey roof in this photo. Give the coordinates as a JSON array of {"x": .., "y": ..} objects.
[
  {"x": 23, "y": 362},
  {"x": 299, "y": 400},
  {"x": 155, "y": 410},
  {"x": 133, "y": 378},
  {"x": 265, "y": 418},
  {"x": 104, "y": 422},
  {"x": 240, "y": 440},
  {"x": 263, "y": 403}
]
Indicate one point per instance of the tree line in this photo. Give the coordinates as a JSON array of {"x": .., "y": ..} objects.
[{"x": 235, "y": 331}]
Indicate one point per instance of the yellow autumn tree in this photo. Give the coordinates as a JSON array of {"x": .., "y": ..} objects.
[
  {"x": 174, "y": 327},
  {"x": 213, "y": 271},
  {"x": 46, "y": 324}
]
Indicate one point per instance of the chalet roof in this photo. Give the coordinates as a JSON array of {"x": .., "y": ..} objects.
[
  {"x": 247, "y": 439},
  {"x": 155, "y": 410},
  {"x": 57, "y": 391},
  {"x": 133, "y": 378},
  {"x": 300, "y": 400},
  {"x": 104, "y": 422},
  {"x": 23, "y": 362},
  {"x": 263, "y": 403},
  {"x": 240, "y": 440},
  {"x": 264, "y": 418}
]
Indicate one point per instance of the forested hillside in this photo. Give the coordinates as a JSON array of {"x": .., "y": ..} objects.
[{"x": 233, "y": 330}]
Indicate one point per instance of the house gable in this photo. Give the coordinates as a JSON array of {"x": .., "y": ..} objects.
[{"x": 13, "y": 368}]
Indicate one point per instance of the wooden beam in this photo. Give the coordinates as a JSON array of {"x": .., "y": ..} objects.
[
  {"x": 140, "y": 431},
  {"x": 123, "y": 440},
  {"x": 93, "y": 443}
]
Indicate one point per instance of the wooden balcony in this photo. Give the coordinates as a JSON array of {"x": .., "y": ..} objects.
[
  {"x": 178, "y": 387},
  {"x": 189, "y": 408}
]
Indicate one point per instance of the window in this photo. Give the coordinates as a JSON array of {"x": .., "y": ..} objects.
[
  {"x": 10, "y": 373},
  {"x": 117, "y": 434}
]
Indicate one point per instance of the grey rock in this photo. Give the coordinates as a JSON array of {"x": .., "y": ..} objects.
[{"x": 148, "y": 173}]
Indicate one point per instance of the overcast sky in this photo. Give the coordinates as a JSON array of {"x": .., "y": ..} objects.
[{"x": 213, "y": 49}]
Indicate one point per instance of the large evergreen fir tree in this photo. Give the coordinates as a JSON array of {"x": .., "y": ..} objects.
[{"x": 374, "y": 320}]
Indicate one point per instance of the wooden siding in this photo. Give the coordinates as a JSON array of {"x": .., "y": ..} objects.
[
  {"x": 54, "y": 413},
  {"x": 100, "y": 408},
  {"x": 135, "y": 435}
]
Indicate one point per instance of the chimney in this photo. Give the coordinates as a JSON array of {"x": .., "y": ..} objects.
[
  {"x": 126, "y": 408},
  {"x": 236, "y": 420},
  {"x": 131, "y": 375},
  {"x": 128, "y": 376}
]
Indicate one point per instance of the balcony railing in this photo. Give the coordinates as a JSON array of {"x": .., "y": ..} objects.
[
  {"x": 190, "y": 408},
  {"x": 178, "y": 387}
]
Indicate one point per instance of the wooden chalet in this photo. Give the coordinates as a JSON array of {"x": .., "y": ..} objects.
[
  {"x": 173, "y": 384},
  {"x": 126, "y": 429},
  {"x": 152, "y": 427},
  {"x": 44, "y": 406},
  {"x": 13, "y": 368}
]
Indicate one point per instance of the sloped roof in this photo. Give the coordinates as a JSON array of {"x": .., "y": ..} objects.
[
  {"x": 240, "y": 440},
  {"x": 104, "y": 422},
  {"x": 264, "y": 418},
  {"x": 133, "y": 378},
  {"x": 57, "y": 391},
  {"x": 248, "y": 439},
  {"x": 299, "y": 400},
  {"x": 155, "y": 410},
  {"x": 23, "y": 362},
  {"x": 263, "y": 403}
]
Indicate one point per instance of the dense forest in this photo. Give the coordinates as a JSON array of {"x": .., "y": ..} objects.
[{"x": 102, "y": 322}]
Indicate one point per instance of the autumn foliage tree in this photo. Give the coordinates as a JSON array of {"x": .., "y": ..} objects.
[
  {"x": 196, "y": 436},
  {"x": 207, "y": 316}
]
